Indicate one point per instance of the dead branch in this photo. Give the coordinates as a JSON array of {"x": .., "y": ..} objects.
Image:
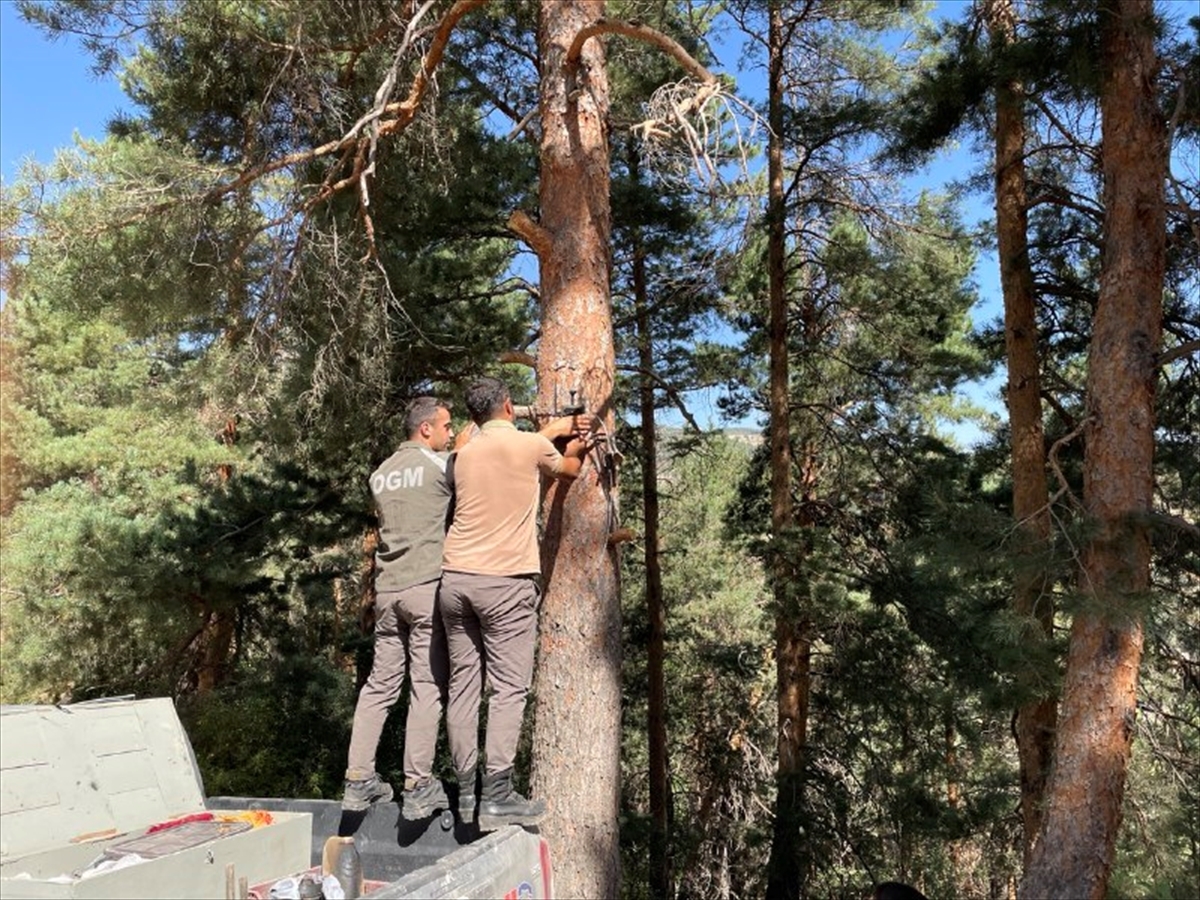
[
  {"x": 706, "y": 120},
  {"x": 405, "y": 110},
  {"x": 673, "y": 106},
  {"x": 1176, "y": 186},
  {"x": 671, "y": 391},
  {"x": 1052, "y": 460},
  {"x": 1061, "y": 127},
  {"x": 351, "y": 144}
]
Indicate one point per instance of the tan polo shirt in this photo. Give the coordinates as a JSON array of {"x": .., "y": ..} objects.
[{"x": 497, "y": 490}]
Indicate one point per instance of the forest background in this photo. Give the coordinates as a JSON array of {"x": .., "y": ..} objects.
[{"x": 814, "y": 649}]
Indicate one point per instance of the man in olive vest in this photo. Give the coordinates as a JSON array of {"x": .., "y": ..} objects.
[
  {"x": 490, "y": 592},
  {"x": 413, "y": 497}
]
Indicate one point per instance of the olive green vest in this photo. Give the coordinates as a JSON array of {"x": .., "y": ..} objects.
[{"x": 412, "y": 495}]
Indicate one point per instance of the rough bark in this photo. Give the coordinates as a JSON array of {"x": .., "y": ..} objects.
[
  {"x": 1074, "y": 852},
  {"x": 785, "y": 874},
  {"x": 661, "y": 881},
  {"x": 216, "y": 643},
  {"x": 364, "y": 658},
  {"x": 1035, "y": 719},
  {"x": 577, "y": 731}
]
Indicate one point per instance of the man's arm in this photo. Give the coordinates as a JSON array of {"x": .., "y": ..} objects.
[{"x": 573, "y": 456}]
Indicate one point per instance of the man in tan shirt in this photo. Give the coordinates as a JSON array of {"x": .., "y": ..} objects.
[{"x": 491, "y": 576}]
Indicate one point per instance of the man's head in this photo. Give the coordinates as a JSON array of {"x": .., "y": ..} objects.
[
  {"x": 428, "y": 422},
  {"x": 488, "y": 399}
]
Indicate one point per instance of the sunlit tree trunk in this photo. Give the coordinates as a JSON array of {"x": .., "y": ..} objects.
[
  {"x": 1035, "y": 719},
  {"x": 791, "y": 642},
  {"x": 577, "y": 731},
  {"x": 1074, "y": 852}
]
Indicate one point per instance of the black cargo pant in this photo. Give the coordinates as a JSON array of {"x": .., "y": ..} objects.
[
  {"x": 408, "y": 636},
  {"x": 491, "y": 630}
]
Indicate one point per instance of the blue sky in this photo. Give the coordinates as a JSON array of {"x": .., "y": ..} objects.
[{"x": 47, "y": 93}]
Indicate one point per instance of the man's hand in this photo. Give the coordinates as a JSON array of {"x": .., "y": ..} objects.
[
  {"x": 591, "y": 433},
  {"x": 464, "y": 436},
  {"x": 578, "y": 447},
  {"x": 563, "y": 427}
]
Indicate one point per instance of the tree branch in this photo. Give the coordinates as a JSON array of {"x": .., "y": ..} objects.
[
  {"x": 403, "y": 111},
  {"x": 1187, "y": 348},
  {"x": 639, "y": 32},
  {"x": 406, "y": 109},
  {"x": 533, "y": 234},
  {"x": 518, "y": 357},
  {"x": 1052, "y": 399},
  {"x": 671, "y": 391}
]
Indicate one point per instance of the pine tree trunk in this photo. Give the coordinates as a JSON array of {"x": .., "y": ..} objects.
[
  {"x": 1036, "y": 719},
  {"x": 954, "y": 800},
  {"x": 1074, "y": 853},
  {"x": 661, "y": 882},
  {"x": 577, "y": 731},
  {"x": 215, "y": 643},
  {"x": 364, "y": 658},
  {"x": 785, "y": 874}
]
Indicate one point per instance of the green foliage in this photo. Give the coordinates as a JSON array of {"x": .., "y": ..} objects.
[
  {"x": 197, "y": 382},
  {"x": 282, "y": 728},
  {"x": 718, "y": 674},
  {"x": 100, "y": 450}
]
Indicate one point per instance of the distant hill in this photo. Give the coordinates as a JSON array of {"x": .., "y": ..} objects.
[{"x": 751, "y": 437}]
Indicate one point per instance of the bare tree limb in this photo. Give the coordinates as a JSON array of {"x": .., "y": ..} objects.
[
  {"x": 671, "y": 391},
  {"x": 1052, "y": 460},
  {"x": 405, "y": 110},
  {"x": 403, "y": 113}
]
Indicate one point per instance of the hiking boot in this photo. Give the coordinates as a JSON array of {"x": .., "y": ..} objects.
[
  {"x": 466, "y": 797},
  {"x": 360, "y": 794},
  {"x": 421, "y": 799},
  {"x": 500, "y": 805}
]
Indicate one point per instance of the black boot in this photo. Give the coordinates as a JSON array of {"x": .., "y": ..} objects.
[
  {"x": 500, "y": 805},
  {"x": 421, "y": 799},
  {"x": 362, "y": 792},
  {"x": 467, "y": 790}
]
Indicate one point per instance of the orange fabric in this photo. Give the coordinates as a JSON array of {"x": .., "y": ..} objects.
[{"x": 256, "y": 817}]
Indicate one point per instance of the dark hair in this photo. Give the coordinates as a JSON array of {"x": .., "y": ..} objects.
[
  {"x": 485, "y": 398},
  {"x": 420, "y": 410}
]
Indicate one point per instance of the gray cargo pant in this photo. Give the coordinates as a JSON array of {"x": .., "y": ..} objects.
[
  {"x": 491, "y": 629},
  {"x": 408, "y": 635}
]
